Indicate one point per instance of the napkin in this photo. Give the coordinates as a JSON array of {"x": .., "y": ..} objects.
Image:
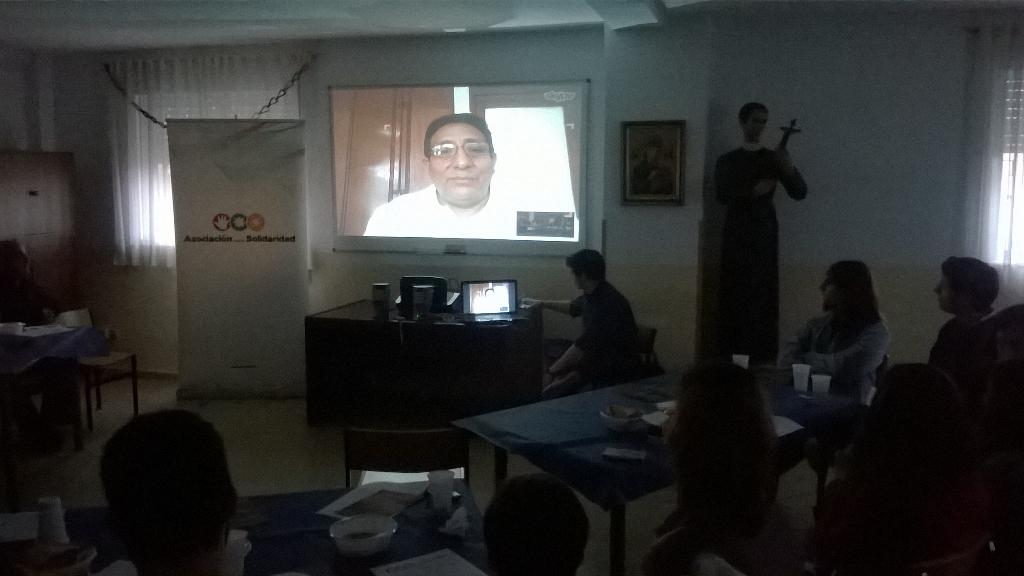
[{"x": 457, "y": 525}]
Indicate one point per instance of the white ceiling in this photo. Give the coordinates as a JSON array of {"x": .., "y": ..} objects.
[
  {"x": 120, "y": 24},
  {"x": 126, "y": 24}
]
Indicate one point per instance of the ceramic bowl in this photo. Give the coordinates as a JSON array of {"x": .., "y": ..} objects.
[
  {"x": 622, "y": 418},
  {"x": 363, "y": 534}
]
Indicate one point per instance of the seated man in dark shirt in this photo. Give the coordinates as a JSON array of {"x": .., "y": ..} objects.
[
  {"x": 22, "y": 300},
  {"x": 607, "y": 351},
  {"x": 965, "y": 347}
]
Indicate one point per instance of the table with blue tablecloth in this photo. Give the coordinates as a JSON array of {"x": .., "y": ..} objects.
[
  {"x": 288, "y": 535},
  {"x": 566, "y": 438},
  {"x": 18, "y": 354}
]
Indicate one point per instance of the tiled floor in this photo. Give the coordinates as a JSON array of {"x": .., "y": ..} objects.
[{"x": 271, "y": 450}]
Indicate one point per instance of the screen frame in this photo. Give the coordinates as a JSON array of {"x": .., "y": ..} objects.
[
  {"x": 513, "y": 293},
  {"x": 470, "y": 246}
]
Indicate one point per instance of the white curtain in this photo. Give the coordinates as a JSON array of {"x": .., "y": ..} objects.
[
  {"x": 995, "y": 160},
  {"x": 192, "y": 85}
]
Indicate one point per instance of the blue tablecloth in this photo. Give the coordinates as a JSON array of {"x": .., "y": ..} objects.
[
  {"x": 18, "y": 353},
  {"x": 288, "y": 535},
  {"x": 566, "y": 437}
]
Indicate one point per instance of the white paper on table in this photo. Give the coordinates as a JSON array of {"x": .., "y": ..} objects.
[
  {"x": 655, "y": 418},
  {"x": 19, "y": 526},
  {"x": 784, "y": 426},
  {"x": 44, "y": 330},
  {"x": 666, "y": 405},
  {"x": 440, "y": 563},
  {"x": 366, "y": 490}
]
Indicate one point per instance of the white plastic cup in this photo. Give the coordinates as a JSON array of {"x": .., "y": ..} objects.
[
  {"x": 51, "y": 521},
  {"x": 235, "y": 551},
  {"x": 381, "y": 294},
  {"x": 440, "y": 485},
  {"x": 741, "y": 360},
  {"x": 820, "y": 384},
  {"x": 801, "y": 375}
]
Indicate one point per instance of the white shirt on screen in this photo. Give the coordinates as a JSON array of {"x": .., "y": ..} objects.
[{"x": 420, "y": 214}]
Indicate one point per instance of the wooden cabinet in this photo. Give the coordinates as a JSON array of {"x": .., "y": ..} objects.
[{"x": 35, "y": 208}]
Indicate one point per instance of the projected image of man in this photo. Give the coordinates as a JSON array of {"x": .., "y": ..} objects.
[{"x": 459, "y": 154}]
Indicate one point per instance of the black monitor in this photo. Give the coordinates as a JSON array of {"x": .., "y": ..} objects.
[{"x": 437, "y": 305}]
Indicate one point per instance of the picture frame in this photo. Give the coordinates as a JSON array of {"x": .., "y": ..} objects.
[{"x": 653, "y": 162}]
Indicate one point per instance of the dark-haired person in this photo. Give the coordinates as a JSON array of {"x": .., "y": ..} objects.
[
  {"x": 914, "y": 490},
  {"x": 722, "y": 446},
  {"x": 965, "y": 347},
  {"x": 170, "y": 494},
  {"x": 458, "y": 152},
  {"x": 850, "y": 340},
  {"x": 535, "y": 526},
  {"x": 22, "y": 300},
  {"x": 745, "y": 182},
  {"x": 607, "y": 351}
]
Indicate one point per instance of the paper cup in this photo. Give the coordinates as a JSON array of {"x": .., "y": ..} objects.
[
  {"x": 801, "y": 374},
  {"x": 820, "y": 384},
  {"x": 237, "y": 548},
  {"x": 741, "y": 360}
]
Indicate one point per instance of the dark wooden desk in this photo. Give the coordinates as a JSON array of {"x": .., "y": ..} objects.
[{"x": 361, "y": 371}]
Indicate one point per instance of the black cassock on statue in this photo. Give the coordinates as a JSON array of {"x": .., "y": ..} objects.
[{"x": 749, "y": 292}]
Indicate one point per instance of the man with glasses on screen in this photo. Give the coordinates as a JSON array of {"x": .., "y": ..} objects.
[{"x": 459, "y": 154}]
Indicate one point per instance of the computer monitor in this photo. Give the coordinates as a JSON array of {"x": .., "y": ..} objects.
[
  {"x": 489, "y": 297},
  {"x": 405, "y": 287}
]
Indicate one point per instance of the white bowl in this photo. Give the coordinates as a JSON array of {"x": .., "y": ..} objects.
[
  {"x": 363, "y": 534},
  {"x": 622, "y": 418}
]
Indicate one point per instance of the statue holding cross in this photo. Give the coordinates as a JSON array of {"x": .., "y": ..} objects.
[{"x": 745, "y": 182}]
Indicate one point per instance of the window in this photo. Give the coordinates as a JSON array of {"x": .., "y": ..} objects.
[
  {"x": 191, "y": 85},
  {"x": 1008, "y": 208}
]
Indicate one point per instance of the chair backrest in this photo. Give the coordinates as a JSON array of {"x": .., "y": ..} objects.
[
  {"x": 74, "y": 318},
  {"x": 645, "y": 338},
  {"x": 959, "y": 564},
  {"x": 406, "y": 450}
]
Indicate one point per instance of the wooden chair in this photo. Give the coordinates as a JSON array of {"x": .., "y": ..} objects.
[
  {"x": 99, "y": 370},
  {"x": 406, "y": 450},
  {"x": 648, "y": 359}
]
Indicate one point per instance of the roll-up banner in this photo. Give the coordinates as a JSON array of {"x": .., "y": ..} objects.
[{"x": 241, "y": 257}]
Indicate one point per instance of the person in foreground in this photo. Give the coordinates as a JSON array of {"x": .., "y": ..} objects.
[
  {"x": 965, "y": 347},
  {"x": 535, "y": 526},
  {"x": 1004, "y": 443},
  {"x": 722, "y": 446},
  {"x": 850, "y": 340},
  {"x": 170, "y": 494},
  {"x": 458, "y": 152},
  {"x": 914, "y": 490},
  {"x": 607, "y": 351}
]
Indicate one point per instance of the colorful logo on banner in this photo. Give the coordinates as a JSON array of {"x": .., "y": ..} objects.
[{"x": 239, "y": 222}]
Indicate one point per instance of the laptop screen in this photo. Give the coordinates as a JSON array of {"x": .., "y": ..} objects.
[{"x": 489, "y": 297}]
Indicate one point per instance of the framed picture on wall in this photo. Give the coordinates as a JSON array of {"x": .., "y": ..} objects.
[{"x": 653, "y": 162}]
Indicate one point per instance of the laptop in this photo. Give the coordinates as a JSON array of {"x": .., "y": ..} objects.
[{"x": 485, "y": 300}]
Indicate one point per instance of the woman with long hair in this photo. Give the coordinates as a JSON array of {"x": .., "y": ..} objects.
[
  {"x": 850, "y": 340},
  {"x": 914, "y": 489},
  {"x": 722, "y": 445}
]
